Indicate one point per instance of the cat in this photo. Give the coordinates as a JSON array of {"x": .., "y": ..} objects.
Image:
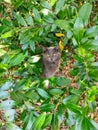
[{"x": 50, "y": 61}]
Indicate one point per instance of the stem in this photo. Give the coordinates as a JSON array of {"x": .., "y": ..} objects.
[{"x": 86, "y": 69}]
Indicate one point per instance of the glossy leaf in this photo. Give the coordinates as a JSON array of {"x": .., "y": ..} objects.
[
  {"x": 28, "y": 122},
  {"x": 21, "y": 20},
  {"x": 3, "y": 67},
  {"x": 56, "y": 92},
  {"x": 59, "y": 5},
  {"x": 6, "y": 85},
  {"x": 22, "y": 84},
  {"x": 43, "y": 93},
  {"x": 4, "y": 94},
  {"x": 85, "y": 12},
  {"x": 6, "y": 105},
  {"x": 60, "y": 113},
  {"x": 61, "y": 81},
  {"x": 39, "y": 122},
  {"x": 47, "y": 120},
  {"x": 52, "y": 2},
  {"x": 74, "y": 108},
  {"x": 7, "y": 34},
  {"x": 18, "y": 97},
  {"x": 71, "y": 99},
  {"x": 63, "y": 24},
  {"x": 29, "y": 20},
  {"x": 78, "y": 29},
  {"x": 11, "y": 126},
  {"x": 32, "y": 46},
  {"x": 91, "y": 32},
  {"x": 84, "y": 123},
  {"x": 47, "y": 107},
  {"x": 37, "y": 16},
  {"x": 71, "y": 118},
  {"x": 45, "y": 4},
  {"x": 54, "y": 123},
  {"x": 17, "y": 59},
  {"x": 10, "y": 115},
  {"x": 48, "y": 19}
]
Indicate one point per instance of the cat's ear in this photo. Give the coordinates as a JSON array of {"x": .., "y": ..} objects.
[
  {"x": 56, "y": 48},
  {"x": 44, "y": 49}
]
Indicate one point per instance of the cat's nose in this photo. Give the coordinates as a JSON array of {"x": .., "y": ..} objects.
[{"x": 51, "y": 59}]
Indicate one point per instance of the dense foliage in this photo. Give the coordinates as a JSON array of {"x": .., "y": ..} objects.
[{"x": 26, "y": 26}]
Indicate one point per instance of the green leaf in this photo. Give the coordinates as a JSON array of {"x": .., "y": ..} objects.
[
  {"x": 61, "y": 113},
  {"x": 37, "y": 16},
  {"x": 84, "y": 12},
  {"x": 6, "y": 85},
  {"x": 71, "y": 118},
  {"x": 18, "y": 97},
  {"x": 21, "y": 84},
  {"x": 7, "y": 22},
  {"x": 4, "y": 94},
  {"x": 52, "y": 2},
  {"x": 29, "y": 20},
  {"x": 17, "y": 3},
  {"x": 3, "y": 67},
  {"x": 95, "y": 125},
  {"x": 85, "y": 123},
  {"x": 28, "y": 121},
  {"x": 9, "y": 115},
  {"x": 33, "y": 96},
  {"x": 11, "y": 126},
  {"x": 91, "y": 93},
  {"x": 93, "y": 74},
  {"x": 7, "y": 34},
  {"x": 48, "y": 19},
  {"x": 63, "y": 24},
  {"x": 74, "y": 71},
  {"x": 71, "y": 99},
  {"x": 78, "y": 123},
  {"x": 6, "y": 105},
  {"x": 32, "y": 46},
  {"x": 74, "y": 108},
  {"x": 39, "y": 122},
  {"x": 17, "y": 59},
  {"x": 43, "y": 93},
  {"x": 91, "y": 32},
  {"x": 54, "y": 122},
  {"x": 56, "y": 92},
  {"x": 21, "y": 20},
  {"x": 47, "y": 120},
  {"x": 92, "y": 106},
  {"x": 47, "y": 107},
  {"x": 78, "y": 29},
  {"x": 45, "y": 4},
  {"x": 91, "y": 44},
  {"x": 61, "y": 81},
  {"x": 59, "y": 5},
  {"x": 78, "y": 24}
]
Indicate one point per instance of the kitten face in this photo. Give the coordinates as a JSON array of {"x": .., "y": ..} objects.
[{"x": 51, "y": 55}]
